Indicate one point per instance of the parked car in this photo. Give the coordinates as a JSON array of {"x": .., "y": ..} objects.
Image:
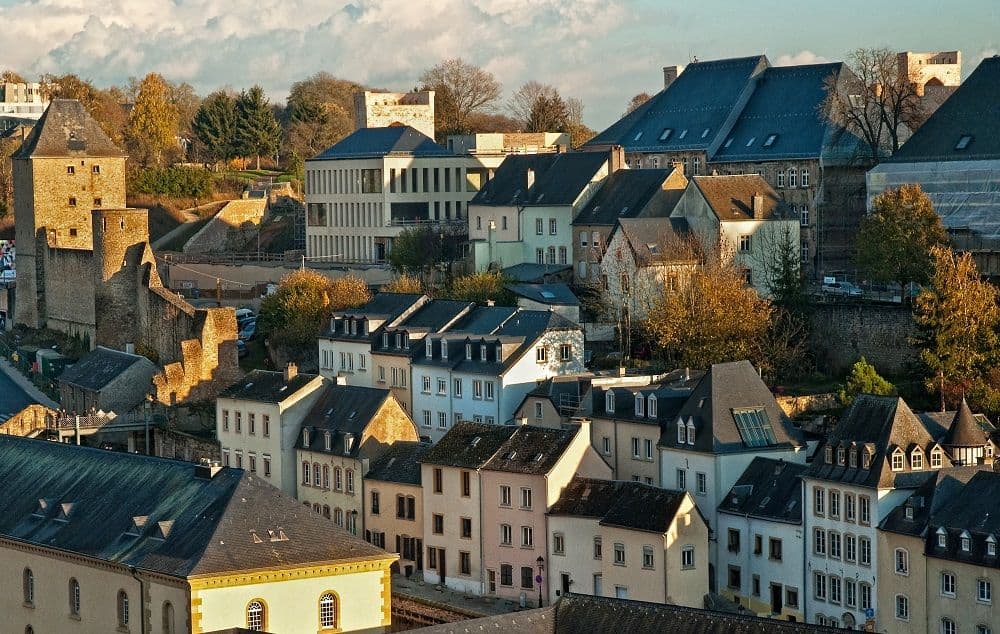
[
  {"x": 244, "y": 316},
  {"x": 249, "y": 331},
  {"x": 844, "y": 289}
]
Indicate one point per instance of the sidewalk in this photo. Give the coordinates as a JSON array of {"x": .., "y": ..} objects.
[
  {"x": 417, "y": 590},
  {"x": 26, "y": 385}
]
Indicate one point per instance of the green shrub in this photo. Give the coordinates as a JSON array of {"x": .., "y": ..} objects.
[{"x": 176, "y": 182}]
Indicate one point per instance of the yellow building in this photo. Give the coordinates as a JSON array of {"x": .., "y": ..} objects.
[{"x": 98, "y": 541}]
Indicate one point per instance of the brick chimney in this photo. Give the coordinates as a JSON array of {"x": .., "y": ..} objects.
[
  {"x": 670, "y": 74},
  {"x": 757, "y": 206},
  {"x": 291, "y": 371}
]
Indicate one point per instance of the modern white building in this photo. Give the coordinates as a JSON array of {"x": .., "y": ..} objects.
[{"x": 21, "y": 101}]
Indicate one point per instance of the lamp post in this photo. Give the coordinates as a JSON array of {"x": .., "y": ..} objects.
[{"x": 538, "y": 579}]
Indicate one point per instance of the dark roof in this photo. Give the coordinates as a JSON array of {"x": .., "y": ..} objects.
[
  {"x": 556, "y": 293},
  {"x": 621, "y": 503},
  {"x": 342, "y": 409},
  {"x": 188, "y": 525},
  {"x": 266, "y": 386},
  {"x": 767, "y": 488},
  {"x": 650, "y": 239},
  {"x": 99, "y": 367},
  {"x": 384, "y": 304},
  {"x": 531, "y": 450},
  {"x": 559, "y": 179},
  {"x": 484, "y": 320},
  {"x": 624, "y": 195},
  {"x": 972, "y": 110},
  {"x": 970, "y": 512},
  {"x": 731, "y": 197},
  {"x": 787, "y": 103},
  {"x": 561, "y": 390},
  {"x": 671, "y": 394},
  {"x": 965, "y": 431},
  {"x": 531, "y": 272},
  {"x": 435, "y": 314},
  {"x": 928, "y": 499},
  {"x": 726, "y": 391},
  {"x": 66, "y": 129},
  {"x": 876, "y": 425},
  {"x": 460, "y": 447},
  {"x": 696, "y": 106},
  {"x": 400, "y": 463},
  {"x": 375, "y": 142}
]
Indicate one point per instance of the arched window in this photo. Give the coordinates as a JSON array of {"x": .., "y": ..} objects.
[
  {"x": 902, "y": 561},
  {"x": 122, "y": 609},
  {"x": 316, "y": 474},
  {"x": 338, "y": 517},
  {"x": 316, "y": 507},
  {"x": 917, "y": 458},
  {"x": 897, "y": 459},
  {"x": 255, "y": 616},
  {"x": 350, "y": 481},
  {"x": 947, "y": 626},
  {"x": 305, "y": 473},
  {"x": 74, "y": 597},
  {"x": 168, "y": 618},
  {"x": 328, "y": 611},
  {"x": 326, "y": 511},
  {"x": 29, "y": 586}
]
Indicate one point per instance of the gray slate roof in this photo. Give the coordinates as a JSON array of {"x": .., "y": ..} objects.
[
  {"x": 342, "y": 409},
  {"x": 531, "y": 450},
  {"x": 266, "y": 386},
  {"x": 531, "y": 272},
  {"x": 971, "y": 512},
  {"x": 99, "y": 367},
  {"x": 399, "y": 463},
  {"x": 559, "y": 179},
  {"x": 460, "y": 447},
  {"x": 67, "y": 130},
  {"x": 767, "y": 488},
  {"x": 941, "y": 486},
  {"x": 85, "y": 501},
  {"x": 621, "y": 503},
  {"x": 555, "y": 293},
  {"x": 650, "y": 239},
  {"x": 376, "y": 142},
  {"x": 973, "y": 109},
  {"x": 624, "y": 195}
]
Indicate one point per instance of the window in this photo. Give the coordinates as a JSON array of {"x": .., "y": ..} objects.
[
  {"x": 97, "y": 202},
  {"x": 239, "y": 422},
  {"x": 835, "y": 503},
  {"x": 350, "y": 481},
  {"x": 640, "y": 410},
  {"x": 168, "y": 618},
  {"x": 504, "y": 495},
  {"x": 426, "y": 385},
  {"x": 733, "y": 579},
  {"x": 525, "y": 498},
  {"x": 850, "y": 548},
  {"x": 819, "y": 541},
  {"x": 850, "y": 593},
  {"x": 538, "y": 410},
  {"x": 506, "y": 575},
  {"x": 791, "y": 177},
  {"x": 437, "y": 522},
  {"x": 265, "y": 421},
  {"x": 438, "y": 485},
  {"x": 255, "y": 616},
  {"x": 122, "y": 609},
  {"x": 805, "y": 178},
  {"x": 442, "y": 386},
  {"x": 819, "y": 501},
  {"x": 865, "y": 551},
  {"x": 681, "y": 479},
  {"x": 917, "y": 459},
  {"x": 734, "y": 540},
  {"x": 466, "y": 528},
  {"x": 565, "y": 352},
  {"x": 947, "y": 626},
  {"x": 527, "y": 577},
  {"x": 506, "y": 535},
  {"x": 328, "y": 608},
  {"x": 427, "y": 418},
  {"x": 72, "y": 201},
  {"x": 864, "y": 509},
  {"x": 745, "y": 243},
  {"x": 464, "y": 563},
  {"x": 538, "y": 226},
  {"x": 442, "y": 420},
  {"x": 781, "y": 179},
  {"x": 834, "y": 544},
  {"x": 791, "y": 597},
  {"x": 552, "y": 226},
  {"x": 984, "y": 591},
  {"x": 948, "y": 584},
  {"x": 774, "y": 549},
  {"x": 635, "y": 448},
  {"x": 902, "y": 562},
  {"x": 619, "y": 554},
  {"x": 338, "y": 479},
  {"x": 648, "y": 447},
  {"x": 835, "y": 590},
  {"x": 225, "y": 420},
  {"x": 701, "y": 481},
  {"x": 687, "y": 558},
  {"x": 897, "y": 460},
  {"x": 374, "y": 503},
  {"x": 477, "y": 389},
  {"x": 647, "y": 557},
  {"x": 489, "y": 390},
  {"x": 865, "y": 598},
  {"x": 306, "y": 471},
  {"x": 984, "y": 629},
  {"x": 963, "y": 142},
  {"x": 541, "y": 354},
  {"x": 936, "y": 458},
  {"x": 558, "y": 544},
  {"x": 606, "y": 445},
  {"x": 849, "y": 507},
  {"x": 28, "y": 583},
  {"x": 819, "y": 586}
]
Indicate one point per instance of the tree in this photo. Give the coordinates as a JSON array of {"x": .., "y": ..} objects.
[
  {"x": 257, "y": 129},
  {"x": 11, "y": 77},
  {"x": 105, "y": 106},
  {"x": 958, "y": 323},
  {"x": 548, "y": 114},
  {"x": 318, "y": 113},
  {"x": 298, "y": 310},
  {"x": 636, "y": 101},
  {"x": 404, "y": 284},
  {"x": 895, "y": 241},
  {"x": 482, "y": 288},
  {"x": 417, "y": 251},
  {"x": 152, "y": 123},
  {"x": 873, "y": 99},
  {"x": 864, "y": 379},
  {"x": 579, "y": 133},
  {"x": 460, "y": 89},
  {"x": 523, "y": 100},
  {"x": 186, "y": 102},
  {"x": 214, "y": 126}
]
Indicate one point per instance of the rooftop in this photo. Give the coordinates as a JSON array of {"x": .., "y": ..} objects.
[
  {"x": 731, "y": 197},
  {"x": 379, "y": 142},
  {"x": 399, "y": 463},
  {"x": 559, "y": 179},
  {"x": 67, "y": 130},
  {"x": 556, "y": 293},
  {"x": 621, "y": 503},
  {"x": 468, "y": 445},
  {"x": 625, "y": 194},
  {"x": 342, "y": 409},
  {"x": 266, "y": 386},
  {"x": 767, "y": 488},
  {"x": 531, "y": 450},
  {"x": 99, "y": 367},
  {"x": 655, "y": 240}
]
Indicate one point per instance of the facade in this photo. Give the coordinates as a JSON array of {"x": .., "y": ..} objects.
[
  {"x": 760, "y": 519},
  {"x": 525, "y": 212},
  {"x": 23, "y": 102},
  {"x": 392, "y": 109},
  {"x": 554, "y": 402},
  {"x": 347, "y": 427},
  {"x": 520, "y": 483},
  {"x": 101, "y": 541},
  {"x": 257, "y": 422},
  {"x": 106, "y": 380},
  {"x": 493, "y": 143},
  {"x": 627, "y": 540}
]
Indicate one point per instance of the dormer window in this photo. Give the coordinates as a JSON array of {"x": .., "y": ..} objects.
[
  {"x": 942, "y": 538},
  {"x": 917, "y": 458},
  {"x": 853, "y": 460},
  {"x": 429, "y": 348},
  {"x": 681, "y": 432},
  {"x": 640, "y": 405},
  {"x": 327, "y": 440},
  {"x": 966, "y": 541},
  {"x": 385, "y": 342},
  {"x": 651, "y": 406},
  {"x": 690, "y": 431},
  {"x": 909, "y": 512},
  {"x": 841, "y": 455},
  {"x": 482, "y": 351},
  {"x": 499, "y": 352},
  {"x": 399, "y": 340},
  {"x": 897, "y": 459},
  {"x": 609, "y": 402},
  {"x": 364, "y": 327},
  {"x": 468, "y": 351},
  {"x": 444, "y": 349},
  {"x": 305, "y": 437},
  {"x": 828, "y": 455},
  {"x": 354, "y": 327},
  {"x": 866, "y": 459},
  {"x": 991, "y": 546}
]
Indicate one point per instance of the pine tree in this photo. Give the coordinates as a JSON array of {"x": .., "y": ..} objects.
[
  {"x": 257, "y": 130},
  {"x": 215, "y": 126}
]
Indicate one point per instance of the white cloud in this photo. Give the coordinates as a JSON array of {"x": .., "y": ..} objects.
[{"x": 802, "y": 57}]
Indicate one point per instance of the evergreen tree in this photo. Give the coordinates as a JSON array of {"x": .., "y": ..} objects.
[
  {"x": 257, "y": 130},
  {"x": 215, "y": 126},
  {"x": 864, "y": 379}
]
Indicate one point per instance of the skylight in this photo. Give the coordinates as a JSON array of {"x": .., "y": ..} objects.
[
  {"x": 638, "y": 135},
  {"x": 666, "y": 134},
  {"x": 704, "y": 133},
  {"x": 729, "y": 142},
  {"x": 963, "y": 142},
  {"x": 750, "y": 142},
  {"x": 683, "y": 134},
  {"x": 623, "y": 211},
  {"x": 754, "y": 427},
  {"x": 771, "y": 138},
  {"x": 548, "y": 294}
]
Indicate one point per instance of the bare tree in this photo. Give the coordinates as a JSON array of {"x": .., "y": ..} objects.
[
  {"x": 524, "y": 98},
  {"x": 875, "y": 100},
  {"x": 468, "y": 88}
]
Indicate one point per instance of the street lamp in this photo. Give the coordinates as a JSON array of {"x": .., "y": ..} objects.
[{"x": 538, "y": 579}]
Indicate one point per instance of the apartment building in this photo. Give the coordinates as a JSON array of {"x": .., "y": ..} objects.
[
  {"x": 627, "y": 540},
  {"x": 257, "y": 422},
  {"x": 555, "y": 401},
  {"x": 760, "y": 519}
]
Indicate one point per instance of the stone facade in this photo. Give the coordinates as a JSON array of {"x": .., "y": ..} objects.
[
  {"x": 384, "y": 109},
  {"x": 880, "y": 333},
  {"x": 237, "y": 221}
]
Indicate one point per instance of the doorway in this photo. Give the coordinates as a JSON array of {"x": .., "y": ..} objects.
[{"x": 776, "y": 595}]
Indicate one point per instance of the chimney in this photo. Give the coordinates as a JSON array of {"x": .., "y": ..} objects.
[
  {"x": 757, "y": 206},
  {"x": 207, "y": 469},
  {"x": 531, "y": 177},
  {"x": 679, "y": 166},
  {"x": 291, "y": 371},
  {"x": 670, "y": 74},
  {"x": 617, "y": 157},
  {"x": 130, "y": 348},
  {"x": 341, "y": 379}
]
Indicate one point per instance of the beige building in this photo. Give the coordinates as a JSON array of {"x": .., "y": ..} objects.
[
  {"x": 21, "y": 101},
  {"x": 509, "y": 142},
  {"x": 257, "y": 422},
  {"x": 347, "y": 428},
  {"x": 393, "y": 109},
  {"x": 100, "y": 541},
  {"x": 394, "y": 504},
  {"x": 629, "y": 541}
]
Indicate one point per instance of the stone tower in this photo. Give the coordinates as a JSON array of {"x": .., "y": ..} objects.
[
  {"x": 385, "y": 109},
  {"x": 65, "y": 168}
]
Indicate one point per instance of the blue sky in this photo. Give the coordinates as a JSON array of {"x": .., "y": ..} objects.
[{"x": 602, "y": 51}]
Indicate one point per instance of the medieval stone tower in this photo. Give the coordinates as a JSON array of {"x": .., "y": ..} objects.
[
  {"x": 66, "y": 167},
  {"x": 385, "y": 109}
]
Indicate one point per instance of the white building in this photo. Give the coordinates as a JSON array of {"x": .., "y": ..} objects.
[
  {"x": 257, "y": 422},
  {"x": 22, "y": 101},
  {"x": 760, "y": 522}
]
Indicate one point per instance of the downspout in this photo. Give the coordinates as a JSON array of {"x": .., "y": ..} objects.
[
  {"x": 483, "y": 581},
  {"x": 142, "y": 599}
]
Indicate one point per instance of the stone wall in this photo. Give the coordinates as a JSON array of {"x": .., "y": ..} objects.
[
  {"x": 30, "y": 421},
  {"x": 382, "y": 109},
  {"x": 236, "y": 217},
  {"x": 170, "y": 443},
  {"x": 842, "y": 333},
  {"x": 68, "y": 281},
  {"x": 798, "y": 405}
]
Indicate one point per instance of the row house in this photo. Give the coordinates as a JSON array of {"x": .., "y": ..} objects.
[
  {"x": 258, "y": 421},
  {"x": 525, "y": 212},
  {"x": 347, "y": 428},
  {"x": 743, "y": 116},
  {"x": 481, "y": 370},
  {"x": 760, "y": 519},
  {"x": 554, "y": 401},
  {"x": 627, "y": 540}
]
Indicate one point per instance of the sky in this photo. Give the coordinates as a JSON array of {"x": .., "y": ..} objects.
[{"x": 601, "y": 51}]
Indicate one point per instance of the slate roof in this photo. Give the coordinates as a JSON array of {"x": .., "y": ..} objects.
[
  {"x": 435, "y": 316},
  {"x": 555, "y": 388},
  {"x": 99, "y": 367},
  {"x": 973, "y": 110},
  {"x": 731, "y": 197},
  {"x": 964, "y": 430},
  {"x": 559, "y": 179},
  {"x": 399, "y": 463},
  {"x": 877, "y": 425},
  {"x": 556, "y": 293},
  {"x": 66, "y": 129},
  {"x": 376, "y": 142},
  {"x": 531, "y": 272},
  {"x": 459, "y": 447},
  {"x": 531, "y": 450},
  {"x": 650, "y": 238},
  {"x": 670, "y": 398},
  {"x": 384, "y": 306},
  {"x": 701, "y": 99},
  {"x": 207, "y": 524},
  {"x": 969, "y": 512},
  {"x": 769, "y": 489},
  {"x": 266, "y": 386},
  {"x": 484, "y": 320},
  {"x": 621, "y": 503},
  {"x": 624, "y": 194},
  {"x": 342, "y": 409},
  {"x": 725, "y": 388},
  {"x": 928, "y": 499}
]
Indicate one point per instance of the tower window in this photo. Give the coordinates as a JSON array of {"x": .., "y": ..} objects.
[
  {"x": 97, "y": 202},
  {"x": 70, "y": 169},
  {"x": 72, "y": 201}
]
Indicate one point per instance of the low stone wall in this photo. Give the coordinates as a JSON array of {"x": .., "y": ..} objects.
[
  {"x": 795, "y": 406},
  {"x": 842, "y": 333},
  {"x": 234, "y": 217}
]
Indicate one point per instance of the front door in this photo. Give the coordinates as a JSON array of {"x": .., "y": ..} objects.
[
  {"x": 441, "y": 566},
  {"x": 776, "y": 591}
]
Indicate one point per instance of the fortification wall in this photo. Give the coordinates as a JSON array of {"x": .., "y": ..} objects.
[
  {"x": 880, "y": 333},
  {"x": 236, "y": 217}
]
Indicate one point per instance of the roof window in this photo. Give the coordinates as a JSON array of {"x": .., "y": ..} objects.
[
  {"x": 963, "y": 142},
  {"x": 666, "y": 134},
  {"x": 769, "y": 141},
  {"x": 729, "y": 142},
  {"x": 754, "y": 427},
  {"x": 704, "y": 133},
  {"x": 750, "y": 142},
  {"x": 683, "y": 134},
  {"x": 638, "y": 135}
]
